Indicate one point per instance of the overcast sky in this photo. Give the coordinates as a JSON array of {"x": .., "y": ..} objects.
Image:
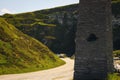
[{"x": 19, "y": 6}]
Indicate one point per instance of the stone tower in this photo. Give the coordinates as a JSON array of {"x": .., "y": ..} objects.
[{"x": 93, "y": 40}]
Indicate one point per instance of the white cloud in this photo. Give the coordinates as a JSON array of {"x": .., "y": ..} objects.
[{"x": 4, "y": 10}]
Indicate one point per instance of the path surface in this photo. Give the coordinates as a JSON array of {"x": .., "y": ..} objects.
[
  {"x": 64, "y": 72},
  {"x": 117, "y": 65}
]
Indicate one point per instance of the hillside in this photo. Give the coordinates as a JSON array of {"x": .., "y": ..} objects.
[
  {"x": 21, "y": 53},
  {"x": 53, "y": 27},
  {"x": 56, "y": 27}
]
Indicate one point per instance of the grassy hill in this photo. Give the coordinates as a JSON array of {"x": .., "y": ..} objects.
[{"x": 21, "y": 53}]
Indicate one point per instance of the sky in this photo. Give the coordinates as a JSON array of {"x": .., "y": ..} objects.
[{"x": 21, "y": 6}]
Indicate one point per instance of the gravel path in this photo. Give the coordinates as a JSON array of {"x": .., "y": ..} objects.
[{"x": 64, "y": 72}]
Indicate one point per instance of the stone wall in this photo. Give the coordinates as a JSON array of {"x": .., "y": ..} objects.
[{"x": 93, "y": 59}]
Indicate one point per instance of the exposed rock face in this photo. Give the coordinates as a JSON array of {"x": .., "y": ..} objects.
[{"x": 93, "y": 59}]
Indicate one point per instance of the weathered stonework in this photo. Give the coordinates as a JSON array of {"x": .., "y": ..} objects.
[{"x": 93, "y": 59}]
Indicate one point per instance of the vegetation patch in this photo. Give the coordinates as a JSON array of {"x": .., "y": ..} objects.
[
  {"x": 116, "y": 53},
  {"x": 43, "y": 24},
  {"x": 115, "y": 1},
  {"x": 20, "y": 53},
  {"x": 114, "y": 76}
]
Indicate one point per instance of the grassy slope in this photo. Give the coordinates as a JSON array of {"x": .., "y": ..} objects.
[
  {"x": 21, "y": 53},
  {"x": 114, "y": 76}
]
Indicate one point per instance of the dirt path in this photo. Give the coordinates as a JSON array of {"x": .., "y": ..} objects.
[{"x": 64, "y": 72}]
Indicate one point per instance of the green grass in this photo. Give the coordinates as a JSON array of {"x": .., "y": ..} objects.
[
  {"x": 50, "y": 37},
  {"x": 20, "y": 53},
  {"x": 43, "y": 24},
  {"x": 116, "y": 53},
  {"x": 12, "y": 69},
  {"x": 114, "y": 76}
]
